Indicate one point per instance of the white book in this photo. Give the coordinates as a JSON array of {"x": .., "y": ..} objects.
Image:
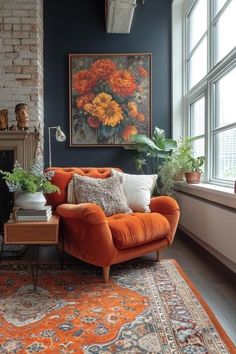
[
  {"x": 34, "y": 217},
  {"x": 35, "y": 212}
]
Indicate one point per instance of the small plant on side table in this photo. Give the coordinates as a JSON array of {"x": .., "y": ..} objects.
[{"x": 32, "y": 184}]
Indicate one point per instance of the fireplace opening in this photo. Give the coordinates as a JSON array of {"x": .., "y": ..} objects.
[{"x": 6, "y": 198}]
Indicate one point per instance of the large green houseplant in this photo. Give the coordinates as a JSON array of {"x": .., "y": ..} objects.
[{"x": 150, "y": 152}]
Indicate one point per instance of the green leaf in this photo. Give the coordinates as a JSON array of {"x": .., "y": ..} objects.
[{"x": 144, "y": 140}]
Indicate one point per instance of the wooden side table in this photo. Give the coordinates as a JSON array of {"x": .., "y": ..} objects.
[{"x": 32, "y": 233}]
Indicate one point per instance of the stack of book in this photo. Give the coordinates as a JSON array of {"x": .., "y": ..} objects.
[{"x": 43, "y": 214}]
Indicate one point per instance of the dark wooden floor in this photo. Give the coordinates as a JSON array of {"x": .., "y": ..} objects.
[{"x": 214, "y": 281}]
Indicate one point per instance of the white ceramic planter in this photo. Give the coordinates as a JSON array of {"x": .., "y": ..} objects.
[{"x": 30, "y": 200}]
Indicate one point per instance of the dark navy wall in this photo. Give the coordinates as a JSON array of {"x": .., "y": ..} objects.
[{"x": 76, "y": 26}]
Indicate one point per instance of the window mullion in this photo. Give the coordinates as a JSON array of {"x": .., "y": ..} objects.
[
  {"x": 211, "y": 36},
  {"x": 220, "y": 12},
  {"x": 224, "y": 128},
  {"x": 188, "y": 56}
]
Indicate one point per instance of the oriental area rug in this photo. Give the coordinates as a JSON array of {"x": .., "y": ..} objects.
[{"x": 145, "y": 308}]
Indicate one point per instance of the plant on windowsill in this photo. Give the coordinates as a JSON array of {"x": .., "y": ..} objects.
[
  {"x": 179, "y": 161},
  {"x": 32, "y": 184},
  {"x": 193, "y": 172}
]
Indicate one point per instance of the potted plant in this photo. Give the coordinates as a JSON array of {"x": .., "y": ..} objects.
[
  {"x": 176, "y": 164},
  {"x": 32, "y": 184},
  {"x": 193, "y": 173},
  {"x": 154, "y": 149}
]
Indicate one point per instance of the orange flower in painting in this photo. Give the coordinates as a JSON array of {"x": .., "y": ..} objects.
[
  {"x": 88, "y": 107},
  {"x": 81, "y": 101},
  {"x": 83, "y": 81},
  {"x": 102, "y": 99},
  {"x": 122, "y": 82},
  {"x": 109, "y": 114},
  {"x": 140, "y": 117},
  {"x": 102, "y": 68},
  {"x": 133, "y": 111},
  {"x": 93, "y": 122},
  {"x": 142, "y": 71},
  {"x": 129, "y": 131}
]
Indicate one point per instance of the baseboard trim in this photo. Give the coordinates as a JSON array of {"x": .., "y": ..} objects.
[{"x": 227, "y": 262}]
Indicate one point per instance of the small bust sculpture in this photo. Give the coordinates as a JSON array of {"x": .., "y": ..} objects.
[
  {"x": 22, "y": 116},
  {"x": 4, "y": 119}
]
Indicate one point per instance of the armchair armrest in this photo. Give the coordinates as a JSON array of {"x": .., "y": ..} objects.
[
  {"x": 168, "y": 207},
  {"x": 88, "y": 212},
  {"x": 87, "y": 235}
]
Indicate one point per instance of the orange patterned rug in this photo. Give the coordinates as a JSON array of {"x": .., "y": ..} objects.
[{"x": 145, "y": 308}]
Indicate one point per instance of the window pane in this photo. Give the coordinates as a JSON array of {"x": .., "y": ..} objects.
[
  {"x": 198, "y": 147},
  {"x": 197, "y": 23},
  {"x": 197, "y": 117},
  {"x": 218, "y": 4},
  {"x": 225, "y": 155},
  {"x": 198, "y": 64},
  {"x": 225, "y": 32},
  {"x": 225, "y": 100}
]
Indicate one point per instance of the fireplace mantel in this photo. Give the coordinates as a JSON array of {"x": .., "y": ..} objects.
[{"x": 23, "y": 143}]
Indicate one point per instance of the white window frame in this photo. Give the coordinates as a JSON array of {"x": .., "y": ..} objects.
[{"x": 180, "y": 10}]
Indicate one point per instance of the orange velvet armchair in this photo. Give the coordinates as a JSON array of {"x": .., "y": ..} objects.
[{"x": 88, "y": 234}]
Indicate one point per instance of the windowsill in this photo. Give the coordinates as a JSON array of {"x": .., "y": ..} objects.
[{"x": 216, "y": 194}]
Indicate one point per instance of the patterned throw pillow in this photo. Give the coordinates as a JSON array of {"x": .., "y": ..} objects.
[{"x": 107, "y": 193}]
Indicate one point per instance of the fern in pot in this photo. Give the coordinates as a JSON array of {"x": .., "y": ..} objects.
[{"x": 30, "y": 185}]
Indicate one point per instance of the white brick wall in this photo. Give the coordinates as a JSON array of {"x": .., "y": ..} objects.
[{"x": 21, "y": 58}]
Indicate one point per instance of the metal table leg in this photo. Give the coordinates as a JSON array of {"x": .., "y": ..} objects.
[
  {"x": 34, "y": 266},
  {"x": 1, "y": 250}
]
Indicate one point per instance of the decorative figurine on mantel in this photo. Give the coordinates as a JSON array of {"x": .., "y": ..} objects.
[
  {"x": 4, "y": 119},
  {"x": 22, "y": 116}
]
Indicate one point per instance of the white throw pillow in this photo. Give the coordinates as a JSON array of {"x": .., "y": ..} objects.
[{"x": 137, "y": 189}]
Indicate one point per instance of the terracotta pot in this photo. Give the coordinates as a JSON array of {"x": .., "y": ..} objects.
[
  {"x": 179, "y": 176},
  {"x": 192, "y": 177}
]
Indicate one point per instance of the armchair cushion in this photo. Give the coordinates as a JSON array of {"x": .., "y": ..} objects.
[
  {"x": 107, "y": 193},
  {"x": 137, "y": 229}
]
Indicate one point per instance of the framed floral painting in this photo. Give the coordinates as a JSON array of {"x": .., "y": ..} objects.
[{"x": 109, "y": 98}]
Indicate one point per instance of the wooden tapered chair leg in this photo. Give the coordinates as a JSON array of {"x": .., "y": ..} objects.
[
  {"x": 106, "y": 271},
  {"x": 158, "y": 253}
]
